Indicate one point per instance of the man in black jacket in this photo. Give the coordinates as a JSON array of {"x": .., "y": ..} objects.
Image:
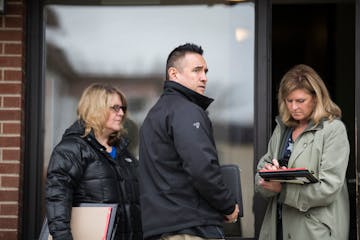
[{"x": 183, "y": 195}]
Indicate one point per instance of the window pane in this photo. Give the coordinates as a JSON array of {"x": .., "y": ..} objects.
[{"x": 128, "y": 46}]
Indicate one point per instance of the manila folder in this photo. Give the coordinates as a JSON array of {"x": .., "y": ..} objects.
[{"x": 90, "y": 223}]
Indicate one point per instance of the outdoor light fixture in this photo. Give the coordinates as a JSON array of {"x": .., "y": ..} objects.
[{"x": 241, "y": 34}]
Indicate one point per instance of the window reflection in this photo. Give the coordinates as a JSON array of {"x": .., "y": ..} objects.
[{"x": 128, "y": 46}]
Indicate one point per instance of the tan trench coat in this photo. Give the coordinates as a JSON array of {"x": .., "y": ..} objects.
[{"x": 311, "y": 211}]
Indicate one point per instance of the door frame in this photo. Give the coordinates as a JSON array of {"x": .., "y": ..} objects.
[
  {"x": 357, "y": 111},
  {"x": 262, "y": 96},
  {"x": 30, "y": 212}
]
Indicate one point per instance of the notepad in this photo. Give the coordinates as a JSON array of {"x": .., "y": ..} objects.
[{"x": 289, "y": 175}]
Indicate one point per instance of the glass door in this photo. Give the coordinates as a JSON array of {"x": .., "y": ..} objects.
[{"x": 128, "y": 45}]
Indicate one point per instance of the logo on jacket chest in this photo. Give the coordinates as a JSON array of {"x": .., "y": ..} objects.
[{"x": 196, "y": 124}]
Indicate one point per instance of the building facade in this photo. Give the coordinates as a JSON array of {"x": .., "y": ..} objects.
[{"x": 24, "y": 88}]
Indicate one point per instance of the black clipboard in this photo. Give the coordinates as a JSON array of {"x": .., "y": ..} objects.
[
  {"x": 111, "y": 226},
  {"x": 289, "y": 175},
  {"x": 231, "y": 177}
]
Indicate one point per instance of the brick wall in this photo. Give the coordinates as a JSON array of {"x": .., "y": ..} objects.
[{"x": 11, "y": 112}]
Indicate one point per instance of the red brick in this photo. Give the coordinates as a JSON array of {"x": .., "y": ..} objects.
[
  {"x": 9, "y": 195},
  {"x": 9, "y": 168},
  {"x": 9, "y": 209},
  {"x": 9, "y": 142},
  {"x": 10, "y": 154},
  {"x": 8, "y": 222},
  {"x": 11, "y": 75},
  {"x": 10, "y": 88},
  {"x": 13, "y": 48},
  {"x": 9, "y": 235},
  {"x": 13, "y": 22},
  {"x": 10, "y": 61},
  {"x": 14, "y": 17},
  {"x": 11, "y": 35},
  {"x": 14, "y": 9},
  {"x": 7, "y": 181},
  {"x": 10, "y": 115},
  {"x": 12, "y": 102},
  {"x": 11, "y": 128}
]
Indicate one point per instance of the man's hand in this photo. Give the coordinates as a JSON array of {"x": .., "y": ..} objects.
[{"x": 232, "y": 218}]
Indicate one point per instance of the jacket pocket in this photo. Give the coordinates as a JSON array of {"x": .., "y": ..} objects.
[{"x": 317, "y": 228}]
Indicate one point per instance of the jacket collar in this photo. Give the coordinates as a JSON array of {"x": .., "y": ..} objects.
[
  {"x": 198, "y": 99},
  {"x": 78, "y": 129},
  {"x": 310, "y": 127}
]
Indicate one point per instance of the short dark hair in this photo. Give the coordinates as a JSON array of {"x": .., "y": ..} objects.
[{"x": 179, "y": 52}]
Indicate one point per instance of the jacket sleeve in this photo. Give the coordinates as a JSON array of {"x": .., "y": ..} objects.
[
  {"x": 332, "y": 170},
  {"x": 270, "y": 154},
  {"x": 193, "y": 140},
  {"x": 63, "y": 173}
]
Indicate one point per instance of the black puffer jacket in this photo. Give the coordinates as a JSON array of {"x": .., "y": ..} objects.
[{"x": 81, "y": 171}]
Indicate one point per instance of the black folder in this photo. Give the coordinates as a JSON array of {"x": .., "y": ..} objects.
[
  {"x": 289, "y": 175},
  {"x": 81, "y": 216},
  {"x": 231, "y": 177}
]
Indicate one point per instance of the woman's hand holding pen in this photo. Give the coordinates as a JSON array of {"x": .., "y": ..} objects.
[
  {"x": 273, "y": 186},
  {"x": 274, "y": 165}
]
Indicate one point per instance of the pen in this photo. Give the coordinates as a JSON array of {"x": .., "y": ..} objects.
[
  {"x": 275, "y": 163},
  {"x": 267, "y": 161}
]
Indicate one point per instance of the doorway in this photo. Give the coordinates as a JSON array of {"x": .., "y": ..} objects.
[{"x": 323, "y": 37}]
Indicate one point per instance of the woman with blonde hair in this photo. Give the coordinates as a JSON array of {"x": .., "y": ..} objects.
[
  {"x": 91, "y": 164},
  {"x": 309, "y": 134}
]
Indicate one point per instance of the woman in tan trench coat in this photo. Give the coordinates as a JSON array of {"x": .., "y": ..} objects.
[{"x": 309, "y": 134}]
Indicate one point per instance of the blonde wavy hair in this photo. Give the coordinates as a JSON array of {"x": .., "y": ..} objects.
[
  {"x": 304, "y": 77},
  {"x": 94, "y": 109}
]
